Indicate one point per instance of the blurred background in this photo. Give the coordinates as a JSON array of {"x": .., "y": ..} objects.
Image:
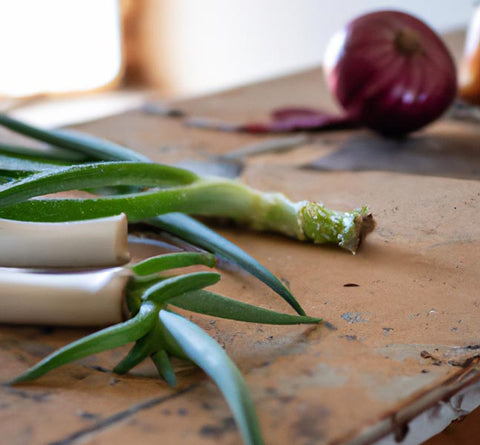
[
  {"x": 95, "y": 57},
  {"x": 178, "y": 47},
  {"x": 194, "y": 47}
]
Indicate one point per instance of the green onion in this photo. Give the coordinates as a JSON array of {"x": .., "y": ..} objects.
[
  {"x": 108, "y": 338},
  {"x": 209, "y": 355},
  {"x": 98, "y": 174},
  {"x": 178, "y": 224},
  {"x": 160, "y": 334},
  {"x": 76, "y": 142},
  {"x": 166, "y": 289},
  {"x": 171, "y": 261},
  {"x": 26, "y": 164},
  {"x": 99, "y": 242},
  {"x": 49, "y": 154},
  {"x": 164, "y": 367},
  {"x": 198, "y": 234},
  {"x": 93, "y": 298},
  {"x": 209, "y": 303},
  {"x": 201, "y": 196}
]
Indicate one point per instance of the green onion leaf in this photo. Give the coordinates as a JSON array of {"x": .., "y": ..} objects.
[
  {"x": 164, "y": 367},
  {"x": 8, "y": 176},
  {"x": 209, "y": 303},
  {"x": 169, "y": 288},
  {"x": 171, "y": 261},
  {"x": 78, "y": 142},
  {"x": 200, "y": 235},
  {"x": 23, "y": 164},
  {"x": 50, "y": 154},
  {"x": 108, "y": 338},
  {"x": 209, "y": 355},
  {"x": 98, "y": 174},
  {"x": 140, "y": 351}
]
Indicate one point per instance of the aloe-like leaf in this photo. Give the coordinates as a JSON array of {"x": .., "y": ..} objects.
[
  {"x": 78, "y": 142},
  {"x": 164, "y": 366},
  {"x": 200, "y": 235},
  {"x": 136, "y": 288},
  {"x": 209, "y": 303},
  {"x": 166, "y": 289},
  {"x": 171, "y": 261},
  {"x": 140, "y": 351},
  {"x": 209, "y": 355},
  {"x": 108, "y": 338},
  {"x": 98, "y": 174}
]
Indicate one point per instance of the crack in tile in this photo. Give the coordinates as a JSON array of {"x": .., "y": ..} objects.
[{"x": 120, "y": 416}]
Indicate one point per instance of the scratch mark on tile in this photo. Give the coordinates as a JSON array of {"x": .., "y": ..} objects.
[
  {"x": 119, "y": 417},
  {"x": 352, "y": 317}
]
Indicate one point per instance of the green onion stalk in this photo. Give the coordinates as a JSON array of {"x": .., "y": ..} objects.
[{"x": 177, "y": 190}]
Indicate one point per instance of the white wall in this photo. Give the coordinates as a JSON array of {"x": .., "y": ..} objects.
[
  {"x": 57, "y": 46},
  {"x": 209, "y": 45}
]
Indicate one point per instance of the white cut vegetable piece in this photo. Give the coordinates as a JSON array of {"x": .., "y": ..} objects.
[
  {"x": 98, "y": 242},
  {"x": 67, "y": 299}
]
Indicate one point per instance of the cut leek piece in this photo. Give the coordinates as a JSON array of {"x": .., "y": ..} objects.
[{"x": 93, "y": 298}]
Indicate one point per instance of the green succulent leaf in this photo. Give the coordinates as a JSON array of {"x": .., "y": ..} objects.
[
  {"x": 139, "y": 352},
  {"x": 171, "y": 287},
  {"x": 209, "y": 303},
  {"x": 164, "y": 367},
  {"x": 108, "y": 338},
  {"x": 200, "y": 235},
  {"x": 209, "y": 355},
  {"x": 171, "y": 261}
]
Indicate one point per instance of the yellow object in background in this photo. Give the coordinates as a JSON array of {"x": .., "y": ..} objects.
[{"x": 469, "y": 72}]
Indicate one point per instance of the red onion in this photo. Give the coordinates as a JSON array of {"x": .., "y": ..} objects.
[{"x": 390, "y": 71}]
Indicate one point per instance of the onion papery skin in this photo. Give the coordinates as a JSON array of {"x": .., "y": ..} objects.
[{"x": 390, "y": 71}]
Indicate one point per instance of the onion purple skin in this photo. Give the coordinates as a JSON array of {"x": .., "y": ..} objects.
[{"x": 391, "y": 84}]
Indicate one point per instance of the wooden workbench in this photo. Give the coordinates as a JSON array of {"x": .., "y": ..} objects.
[{"x": 403, "y": 314}]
